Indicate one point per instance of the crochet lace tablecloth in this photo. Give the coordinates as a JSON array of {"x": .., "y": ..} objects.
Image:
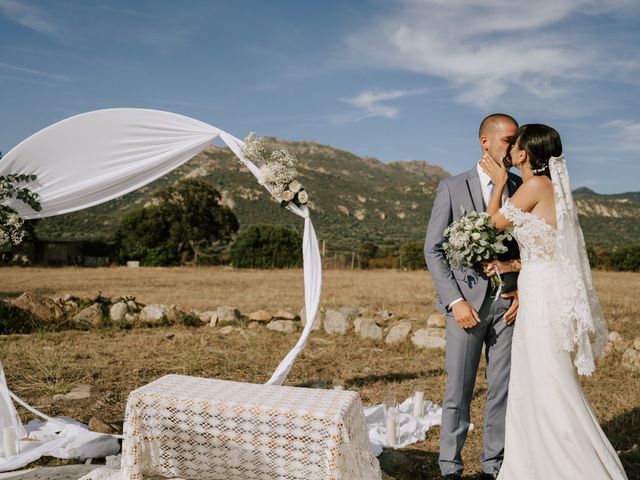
[{"x": 199, "y": 428}]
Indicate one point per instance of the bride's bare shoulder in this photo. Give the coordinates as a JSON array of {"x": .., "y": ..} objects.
[{"x": 538, "y": 182}]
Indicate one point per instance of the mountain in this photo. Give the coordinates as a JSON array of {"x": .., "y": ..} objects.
[{"x": 353, "y": 199}]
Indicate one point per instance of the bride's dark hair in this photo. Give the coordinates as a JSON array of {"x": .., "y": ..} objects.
[{"x": 540, "y": 142}]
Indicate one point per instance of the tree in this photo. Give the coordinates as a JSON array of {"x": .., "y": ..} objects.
[
  {"x": 267, "y": 246},
  {"x": 411, "y": 256},
  {"x": 187, "y": 223},
  {"x": 626, "y": 258}
]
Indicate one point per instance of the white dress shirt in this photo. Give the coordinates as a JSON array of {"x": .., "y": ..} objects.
[{"x": 487, "y": 189}]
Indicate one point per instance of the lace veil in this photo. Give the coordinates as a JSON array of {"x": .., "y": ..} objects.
[{"x": 584, "y": 332}]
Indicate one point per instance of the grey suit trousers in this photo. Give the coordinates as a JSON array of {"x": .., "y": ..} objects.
[{"x": 464, "y": 349}]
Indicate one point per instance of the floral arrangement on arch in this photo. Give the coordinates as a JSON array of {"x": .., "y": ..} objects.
[
  {"x": 277, "y": 171},
  {"x": 11, "y": 223}
]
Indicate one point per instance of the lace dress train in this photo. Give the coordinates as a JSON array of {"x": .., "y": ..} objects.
[{"x": 551, "y": 430}]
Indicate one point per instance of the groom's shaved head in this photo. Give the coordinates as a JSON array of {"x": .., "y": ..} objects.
[{"x": 490, "y": 122}]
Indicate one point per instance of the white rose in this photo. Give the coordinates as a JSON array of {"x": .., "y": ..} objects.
[
  {"x": 303, "y": 197},
  {"x": 287, "y": 195},
  {"x": 295, "y": 186}
]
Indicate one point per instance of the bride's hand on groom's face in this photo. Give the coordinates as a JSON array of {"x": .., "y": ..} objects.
[{"x": 496, "y": 170}]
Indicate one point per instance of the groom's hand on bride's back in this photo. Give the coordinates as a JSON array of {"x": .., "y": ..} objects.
[{"x": 465, "y": 315}]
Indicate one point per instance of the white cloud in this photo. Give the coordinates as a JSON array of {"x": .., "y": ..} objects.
[
  {"x": 627, "y": 137},
  {"x": 28, "y": 16},
  {"x": 36, "y": 73},
  {"x": 488, "y": 49},
  {"x": 369, "y": 104}
]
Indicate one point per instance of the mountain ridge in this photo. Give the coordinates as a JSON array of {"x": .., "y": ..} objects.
[{"x": 353, "y": 199}]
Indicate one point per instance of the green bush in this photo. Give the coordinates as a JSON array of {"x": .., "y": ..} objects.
[
  {"x": 411, "y": 256},
  {"x": 16, "y": 320},
  {"x": 267, "y": 246},
  {"x": 626, "y": 258}
]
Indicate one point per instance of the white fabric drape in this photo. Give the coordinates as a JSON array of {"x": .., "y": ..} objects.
[{"x": 98, "y": 156}]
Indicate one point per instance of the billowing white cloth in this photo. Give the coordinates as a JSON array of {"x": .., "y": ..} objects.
[
  {"x": 411, "y": 429},
  {"x": 97, "y": 156}
]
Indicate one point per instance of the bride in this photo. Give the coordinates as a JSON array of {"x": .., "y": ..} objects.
[{"x": 551, "y": 430}]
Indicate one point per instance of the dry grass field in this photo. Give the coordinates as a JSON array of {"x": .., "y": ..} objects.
[{"x": 115, "y": 361}]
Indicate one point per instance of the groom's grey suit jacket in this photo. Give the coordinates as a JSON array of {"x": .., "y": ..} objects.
[{"x": 462, "y": 190}]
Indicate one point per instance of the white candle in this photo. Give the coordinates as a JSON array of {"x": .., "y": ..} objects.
[
  {"x": 9, "y": 441},
  {"x": 418, "y": 402},
  {"x": 392, "y": 426}
]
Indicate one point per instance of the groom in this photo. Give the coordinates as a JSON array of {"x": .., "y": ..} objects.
[{"x": 474, "y": 317}]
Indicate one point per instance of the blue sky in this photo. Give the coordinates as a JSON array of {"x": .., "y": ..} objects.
[{"x": 393, "y": 79}]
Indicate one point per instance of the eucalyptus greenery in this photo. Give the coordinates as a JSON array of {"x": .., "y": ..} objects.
[{"x": 12, "y": 186}]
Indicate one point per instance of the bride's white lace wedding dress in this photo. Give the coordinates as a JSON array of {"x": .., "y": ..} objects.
[{"x": 551, "y": 430}]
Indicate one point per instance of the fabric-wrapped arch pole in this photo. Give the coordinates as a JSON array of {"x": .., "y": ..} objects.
[{"x": 98, "y": 156}]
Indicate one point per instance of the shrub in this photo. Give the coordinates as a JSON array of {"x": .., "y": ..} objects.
[
  {"x": 267, "y": 246},
  {"x": 626, "y": 258},
  {"x": 411, "y": 256}
]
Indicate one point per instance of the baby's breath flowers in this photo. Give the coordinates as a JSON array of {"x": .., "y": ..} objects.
[{"x": 277, "y": 171}]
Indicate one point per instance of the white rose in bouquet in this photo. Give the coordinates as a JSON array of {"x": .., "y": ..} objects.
[
  {"x": 295, "y": 186},
  {"x": 303, "y": 197},
  {"x": 287, "y": 195}
]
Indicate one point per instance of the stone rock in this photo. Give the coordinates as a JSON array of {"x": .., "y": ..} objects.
[
  {"x": 356, "y": 325},
  {"x": 386, "y": 315},
  {"x": 631, "y": 360},
  {"x": 636, "y": 343},
  {"x": 41, "y": 307},
  {"x": 118, "y": 311},
  {"x": 262, "y": 316},
  {"x": 132, "y": 317},
  {"x": 436, "y": 320},
  {"x": 336, "y": 323},
  {"x": 133, "y": 305},
  {"x": 175, "y": 315},
  {"x": 228, "y": 315},
  {"x": 205, "y": 317},
  {"x": 230, "y": 329},
  {"x": 429, "y": 338},
  {"x": 303, "y": 319},
  {"x": 284, "y": 326},
  {"x": 214, "y": 320},
  {"x": 97, "y": 425},
  {"x": 154, "y": 313},
  {"x": 255, "y": 325},
  {"x": 618, "y": 342},
  {"x": 79, "y": 393},
  {"x": 398, "y": 333},
  {"x": 69, "y": 298},
  {"x": 90, "y": 317},
  {"x": 351, "y": 312},
  {"x": 369, "y": 329},
  {"x": 284, "y": 315}
]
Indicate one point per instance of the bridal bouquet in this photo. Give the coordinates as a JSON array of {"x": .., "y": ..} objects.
[
  {"x": 277, "y": 171},
  {"x": 472, "y": 239},
  {"x": 11, "y": 223}
]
